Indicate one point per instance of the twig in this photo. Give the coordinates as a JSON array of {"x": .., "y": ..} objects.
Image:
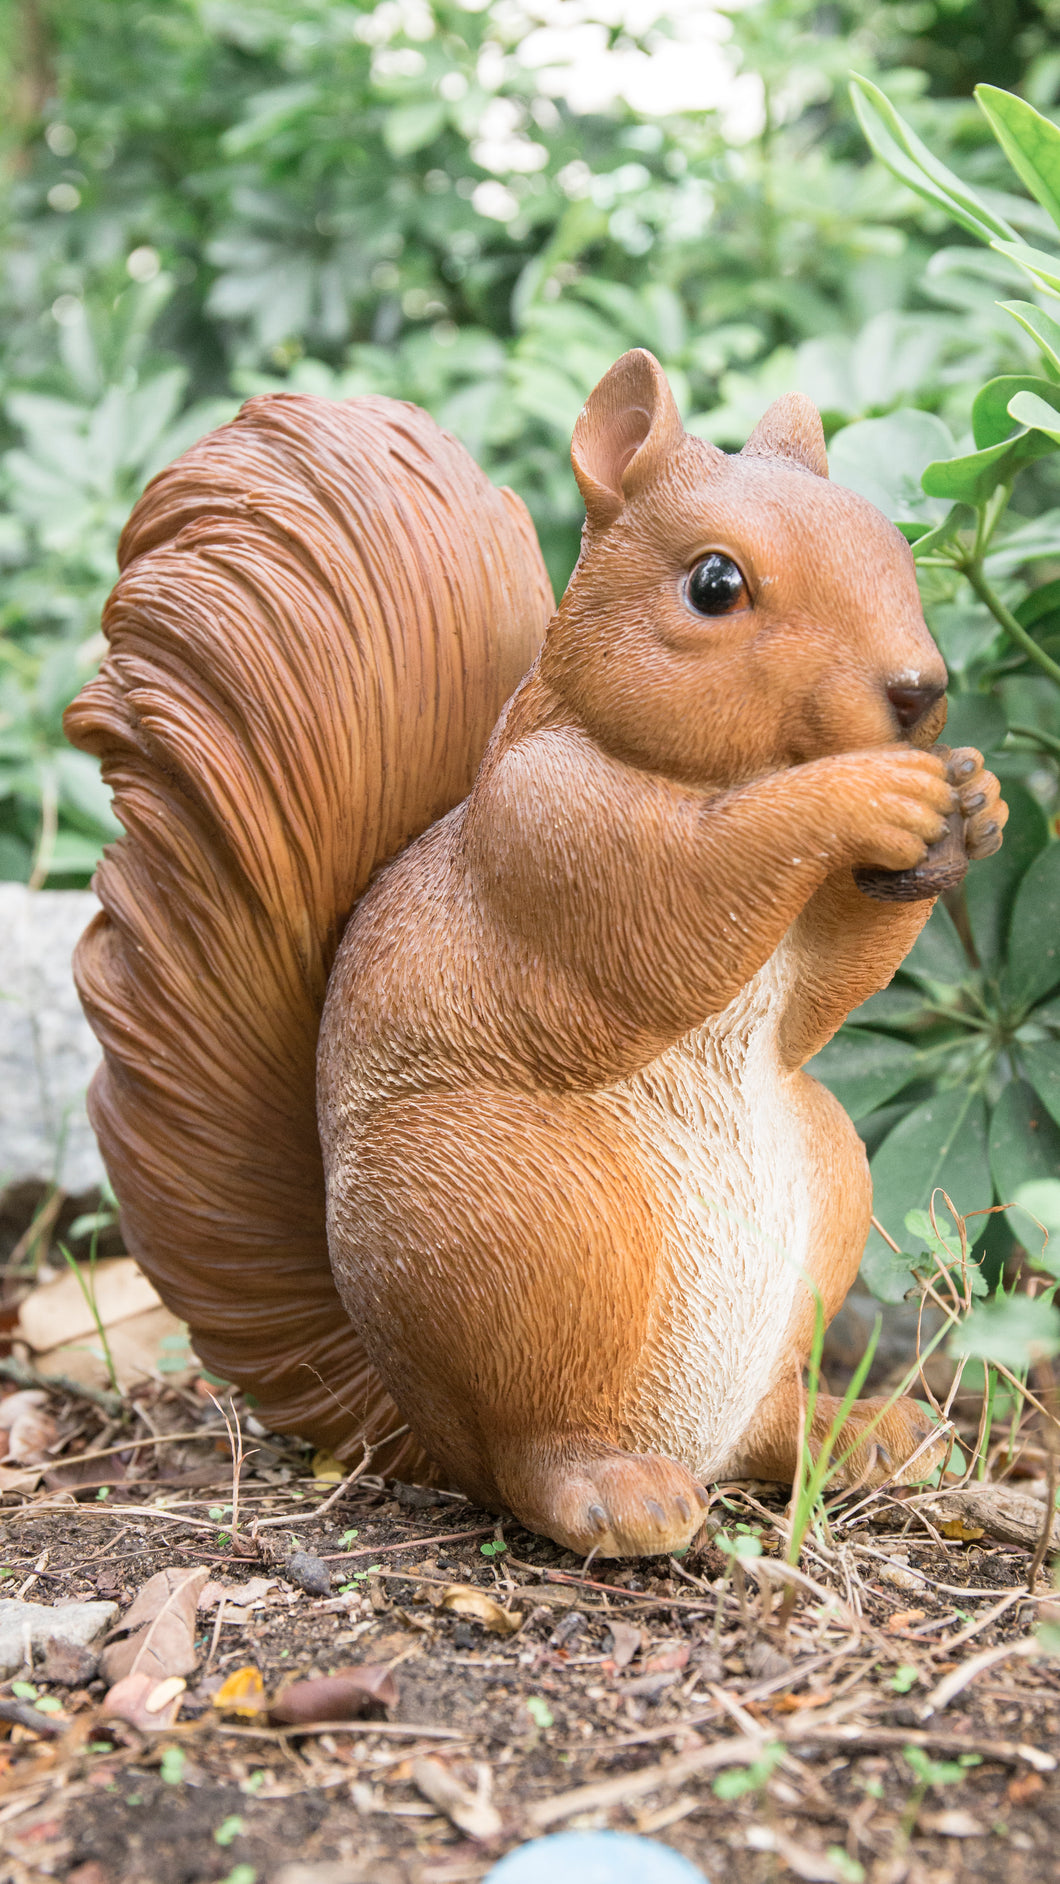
[
  {"x": 340, "y": 1490},
  {"x": 1028, "y": 1647},
  {"x": 983, "y": 1622},
  {"x": 11, "y": 1368},
  {"x": 38, "y": 1228},
  {"x": 410, "y": 1543}
]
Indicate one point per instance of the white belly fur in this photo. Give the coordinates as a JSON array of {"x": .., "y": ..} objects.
[{"x": 724, "y": 1132}]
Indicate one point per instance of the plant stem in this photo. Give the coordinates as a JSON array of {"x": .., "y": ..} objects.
[
  {"x": 1013, "y": 628},
  {"x": 1047, "y": 742}
]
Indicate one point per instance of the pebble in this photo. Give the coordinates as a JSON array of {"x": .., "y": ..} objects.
[
  {"x": 310, "y": 1573},
  {"x": 594, "y": 1858},
  {"x": 77, "y": 1625}
]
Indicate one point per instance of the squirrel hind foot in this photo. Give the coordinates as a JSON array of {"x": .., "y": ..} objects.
[
  {"x": 888, "y": 1442},
  {"x": 612, "y": 1503}
]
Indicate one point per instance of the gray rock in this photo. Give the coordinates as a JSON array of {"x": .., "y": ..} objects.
[
  {"x": 78, "y": 1625},
  {"x": 48, "y": 1052}
]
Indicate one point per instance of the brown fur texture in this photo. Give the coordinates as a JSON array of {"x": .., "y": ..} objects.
[{"x": 580, "y": 1193}]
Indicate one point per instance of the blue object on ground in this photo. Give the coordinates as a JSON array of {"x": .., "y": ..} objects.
[{"x": 594, "y": 1858}]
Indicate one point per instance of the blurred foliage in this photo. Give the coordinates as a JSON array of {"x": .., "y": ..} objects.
[{"x": 200, "y": 199}]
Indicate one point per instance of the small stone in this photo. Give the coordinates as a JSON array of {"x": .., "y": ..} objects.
[
  {"x": 76, "y": 1625},
  {"x": 594, "y": 1858},
  {"x": 309, "y": 1573},
  {"x": 766, "y": 1663}
]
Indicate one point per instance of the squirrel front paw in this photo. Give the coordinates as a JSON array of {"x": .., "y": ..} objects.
[
  {"x": 905, "y": 798},
  {"x": 983, "y": 810}
]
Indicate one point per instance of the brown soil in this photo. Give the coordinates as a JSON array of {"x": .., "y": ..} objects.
[{"x": 761, "y": 1746}]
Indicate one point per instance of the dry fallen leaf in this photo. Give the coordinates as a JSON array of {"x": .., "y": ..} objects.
[
  {"x": 471, "y": 1812},
  {"x": 145, "y": 1701},
  {"x": 30, "y": 1430},
  {"x": 328, "y": 1469},
  {"x": 16, "y": 1479},
  {"x": 961, "y": 1532},
  {"x": 625, "y": 1641},
  {"x": 242, "y": 1693},
  {"x": 158, "y": 1632},
  {"x": 903, "y": 1619},
  {"x": 57, "y": 1323},
  {"x": 344, "y": 1695},
  {"x": 236, "y": 1595},
  {"x": 952, "y": 1823},
  {"x": 663, "y": 1660},
  {"x": 465, "y": 1600}
]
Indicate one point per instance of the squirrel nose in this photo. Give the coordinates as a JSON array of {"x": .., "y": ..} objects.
[{"x": 911, "y": 699}]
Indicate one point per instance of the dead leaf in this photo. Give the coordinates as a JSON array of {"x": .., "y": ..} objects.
[
  {"x": 328, "y": 1469},
  {"x": 15, "y": 1479},
  {"x": 236, "y": 1595},
  {"x": 144, "y": 1701},
  {"x": 57, "y": 1312},
  {"x": 625, "y": 1641},
  {"x": 471, "y": 1812},
  {"x": 661, "y": 1661},
  {"x": 963, "y": 1533},
  {"x": 344, "y": 1695},
  {"x": 159, "y": 1630},
  {"x": 902, "y": 1619},
  {"x": 465, "y": 1600},
  {"x": 796, "y": 1703},
  {"x": 953, "y": 1823},
  {"x": 30, "y": 1430},
  {"x": 1020, "y": 1791},
  {"x": 242, "y": 1693}
]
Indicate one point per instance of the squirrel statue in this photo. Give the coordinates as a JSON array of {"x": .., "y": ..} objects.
[{"x": 555, "y": 1222}]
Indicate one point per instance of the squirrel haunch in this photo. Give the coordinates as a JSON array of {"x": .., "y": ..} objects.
[{"x": 579, "y": 1190}]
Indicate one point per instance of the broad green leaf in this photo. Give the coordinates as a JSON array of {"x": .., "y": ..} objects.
[
  {"x": 884, "y": 460},
  {"x": 941, "y": 1143},
  {"x": 925, "y": 542},
  {"x": 1041, "y": 1063},
  {"x": 1024, "y": 1147},
  {"x": 407, "y": 128},
  {"x": 974, "y": 719},
  {"x": 1040, "y": 325},
  {"x": 974, "y": 476},
  {"x": 990, "y": 886},
  {"x": 1034, "y": 938},
  {"x": 896, "y": 1006},
  {"x": 1039, "y": 265},
  {"x": 1030, "y": 142},
  {"x": 992, "y": 415},
  {"x": 864, "y": 1069},
  {"x": 937, "y": 957},
  {"x": 1031, "y": 541},
  {"x": 1030, "y": 409},
  {"x": 899, "y": 147},
  {"x": 1012, "y": 1329},
  {"x": 1039, "y": 1218}
]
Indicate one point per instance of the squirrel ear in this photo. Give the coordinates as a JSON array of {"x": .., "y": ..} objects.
[
  {"x": 627, "y": 428},
  {"x": 791, "y": 428}
]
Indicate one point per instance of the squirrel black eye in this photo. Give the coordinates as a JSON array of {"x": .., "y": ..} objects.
[{"x": 715, "y": 585}]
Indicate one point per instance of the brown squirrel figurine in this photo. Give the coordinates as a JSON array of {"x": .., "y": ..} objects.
[{"x": 579, "y": 1193}]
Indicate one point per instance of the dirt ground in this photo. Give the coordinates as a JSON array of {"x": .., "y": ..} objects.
[{"x": 882, "y": 1712}]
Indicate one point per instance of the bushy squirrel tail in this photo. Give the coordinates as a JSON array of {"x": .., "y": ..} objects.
[{"x": 322, "y": 609}]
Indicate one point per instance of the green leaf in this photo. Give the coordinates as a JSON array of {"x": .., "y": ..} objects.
[
  {"x": 992, "y": 416},
  {"x": 898, "y": 146},
  {"x": 926, "y": 542},
  {"x": 1024, "y": 1147},
  {"x": 974, "y": 476},
  {"x": 864, "y": 1069},
  {"x": 941, "y": 1143},
  {"x": 1039, "y": 265},
  {"x": 1041, "y": 1063},
  {"x": 1033, "y": 968},
  {"x": 884, "y": 459},
  {"x": 1039, "y": 1218},
  {"x": 1030, "y": 142},
  {"x": 407, "y": 128},
  {"x": 975, "y": 719},
  {"x": 937, "y": 958},
  {"x": 1012, "y": 1329},
  {"x": 1040, "y": 325},
  {"x": 1030, "y": 409},
  {"x": 896, "y": 1006},
  {"x": 990, "y": 886}
]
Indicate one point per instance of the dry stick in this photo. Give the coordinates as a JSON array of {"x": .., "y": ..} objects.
[
  {"x": 1045, "y": 1539},
  {"x": 340, "y": 1490},
  {"x": 235, "y": 1442},
  {"x": 1027, "y": 1648},
  {"x": 983, "y": 1622},
  {"x": 134, "y": 1445}
]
